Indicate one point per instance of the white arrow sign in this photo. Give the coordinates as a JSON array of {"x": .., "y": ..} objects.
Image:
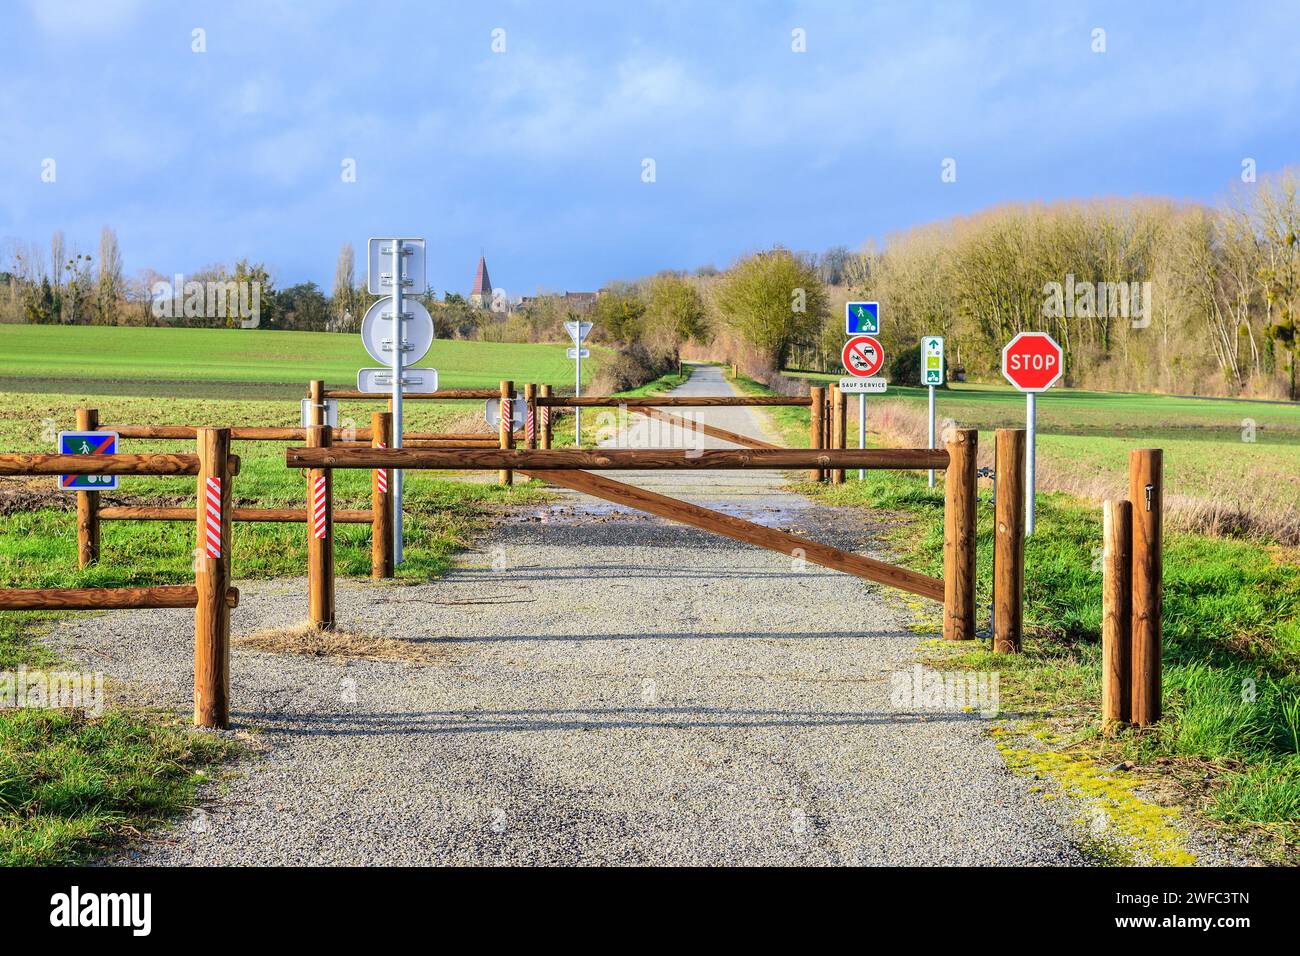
[
  {"x": 415, "y": 381},
  {"x": 578, "y": 331}
]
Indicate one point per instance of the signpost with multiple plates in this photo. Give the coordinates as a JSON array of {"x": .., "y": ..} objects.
[
  {"x": 578, "y": 331},
  {"x": 397, "y": 332}
]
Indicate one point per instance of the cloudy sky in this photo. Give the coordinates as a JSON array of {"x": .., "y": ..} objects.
[{"x": 537, "y": 154}]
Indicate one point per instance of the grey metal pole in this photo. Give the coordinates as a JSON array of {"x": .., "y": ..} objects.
[
  {"x": 931, "y": 431},
  {"x": 862, "y": 430},
  {"x": 398, "y": 339},
  {"x": 1031, "y": 423},
  {"x": 577, "y": 411}
]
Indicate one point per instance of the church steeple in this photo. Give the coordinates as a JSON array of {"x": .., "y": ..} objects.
[{"x": 481, "y": 294}]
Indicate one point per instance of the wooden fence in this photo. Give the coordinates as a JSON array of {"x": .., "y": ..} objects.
[
  {"x": 211, "y": 595},
  {"x": 571, "y": 468}
]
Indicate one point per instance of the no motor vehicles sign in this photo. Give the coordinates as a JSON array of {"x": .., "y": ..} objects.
[
  {"x": 1032, "y": 362},
  {"x": 863, "y": 356}
]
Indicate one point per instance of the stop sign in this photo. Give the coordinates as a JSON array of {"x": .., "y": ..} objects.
[{"x": 1033, "y": 362}]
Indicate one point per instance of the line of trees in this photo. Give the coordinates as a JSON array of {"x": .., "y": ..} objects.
[
  {"x": 1219, "y": 289},
  {"x": 1143, "y": 294}
]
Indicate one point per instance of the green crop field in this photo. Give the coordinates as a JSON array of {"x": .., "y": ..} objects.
[
  {"x": 165, "y": 362},
  {"x": 1227, "y": 460}
]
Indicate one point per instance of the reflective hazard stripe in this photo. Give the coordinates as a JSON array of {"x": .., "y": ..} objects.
[{"x": 212, "y": 520}]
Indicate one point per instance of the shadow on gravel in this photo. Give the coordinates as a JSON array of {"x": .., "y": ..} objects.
[
  {"x": 612, "y": 718},
  {"x": 566, "y": 572},
  {"x": 671, "y": 636}
]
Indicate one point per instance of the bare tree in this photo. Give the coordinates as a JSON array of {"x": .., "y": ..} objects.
[
  {"x": 110, "y": 276},
  {"x": 345, "y": 293}
]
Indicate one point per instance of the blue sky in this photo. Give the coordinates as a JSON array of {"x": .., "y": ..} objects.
[{"x": 535, "y": 155}]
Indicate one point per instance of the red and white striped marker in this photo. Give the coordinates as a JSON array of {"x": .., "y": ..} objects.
[
  {"x": 546, "y": 417},
  {"x": 381, "y": 474},
  {"x": 212, "y": 518},
  {"x": 530, "y": 428},
  {"x": 318, "y": 512},
  {"x": 507, "y": 415}
]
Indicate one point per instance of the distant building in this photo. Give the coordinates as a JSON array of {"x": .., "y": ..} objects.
[
  {"x": 480, "y": 295},
  {"x": 575, "y": 301}
]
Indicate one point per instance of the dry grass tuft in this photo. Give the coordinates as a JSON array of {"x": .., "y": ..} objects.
[{"x": 305, "y": 640}]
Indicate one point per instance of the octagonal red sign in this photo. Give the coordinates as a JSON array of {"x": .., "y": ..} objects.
[{"x": 1033, "y": 362}]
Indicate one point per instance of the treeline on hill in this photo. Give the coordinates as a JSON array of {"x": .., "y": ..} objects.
[{"x": 1143, "y": 294}]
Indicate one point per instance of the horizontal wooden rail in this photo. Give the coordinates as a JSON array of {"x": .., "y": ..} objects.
[
  {"x": 712, "y": 431},
  {"x": 476, "y": 442},
  {"x": 258, "y": 433},
  {"x": 451, "y": 394},
  {"x": 282, "y": 515},
  {"x": 749, "y": 532},
  {"x": 94, "y": 599},
  {"x": 157, "y": 464},
  {"x": 647, "y": 401},
  {"x": 601, "y": 459}
]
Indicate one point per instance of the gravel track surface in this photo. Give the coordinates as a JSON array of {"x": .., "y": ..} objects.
[{"x": 627, "y": 691}]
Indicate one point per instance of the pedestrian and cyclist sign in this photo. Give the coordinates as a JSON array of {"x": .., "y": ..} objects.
[
  {"x": 88, "y": 443},
  {"x": 862, "y": 318}
]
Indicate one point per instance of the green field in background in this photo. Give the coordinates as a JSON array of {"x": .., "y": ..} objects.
[
  {"x": 201, "y": 362},
  {"x": 1077, "y": 411}
]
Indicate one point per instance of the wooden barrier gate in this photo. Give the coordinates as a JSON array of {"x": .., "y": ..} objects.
[{"x": 571, "y": 468}]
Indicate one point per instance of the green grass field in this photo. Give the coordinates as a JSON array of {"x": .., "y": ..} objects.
[
  {"x": 173, "y": 362},
  {"x": 1227, "y": 462}
]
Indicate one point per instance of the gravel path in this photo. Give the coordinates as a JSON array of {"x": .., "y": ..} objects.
[{"x": 630, "y": 692}]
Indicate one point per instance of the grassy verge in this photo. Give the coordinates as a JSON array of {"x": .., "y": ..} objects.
[
  {"x": 70, "y": 783},
  {"x": 1228, "y": 749}
]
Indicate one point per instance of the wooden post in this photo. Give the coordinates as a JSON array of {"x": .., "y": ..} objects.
[
  {"x": 816, "y": 429},
  {"x": 1116, "y": 607},
  {"x": 546, "y": 418},
  {"x": 839, "y": 429},
  {"x": 959, "y": 536},
  {"x": 87, "y": 502},
  {"x": 530, "y": 416},
  {"x": 320, "y": 536},
  {"x": 1009, "y": 541},
  {"x": 1145, "y": 476},
  {"x": 381, "y": 500},
  {"x": 506, "y": 429},
  {"x": 212, "y": 581}
]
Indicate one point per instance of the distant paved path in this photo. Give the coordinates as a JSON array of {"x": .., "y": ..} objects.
[{"x": 652, "y": 694}]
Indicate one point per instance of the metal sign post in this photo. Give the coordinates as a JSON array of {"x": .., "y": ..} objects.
[
  {"x": 1033, "y": 363},
  {"x": 932, "y": 376},
  {"x": 578, "y": 331},
  {"x": 862, "y": 430},
  {"x": 388, "y": 270},
  {"x": 398, "y": 339}
]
